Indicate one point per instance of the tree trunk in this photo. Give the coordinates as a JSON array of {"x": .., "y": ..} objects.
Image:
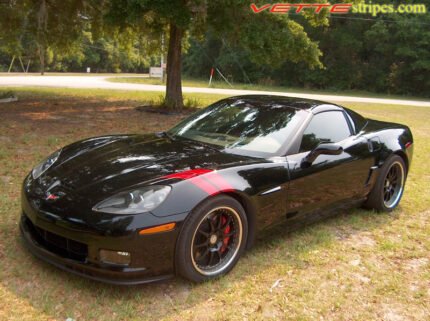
[
  {"x": 42, "y": 59},
  {"x": 42, "y": 25},
  {"x": 174, "y": 97}
]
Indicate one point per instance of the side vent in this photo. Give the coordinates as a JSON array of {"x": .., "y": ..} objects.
[{"x": 374, "y": 144}]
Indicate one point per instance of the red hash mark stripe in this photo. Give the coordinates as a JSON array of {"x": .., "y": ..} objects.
[
  {"x": 219, "y": 181},
  {"x": 207, "y": 180},
  {"x": 188, "y": 174},
  {"x": 204, "y": 185}
]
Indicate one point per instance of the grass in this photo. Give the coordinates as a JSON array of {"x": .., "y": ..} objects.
[
  {"x": 7, "y": 94},
  {"x": 358, "y": 265},
  {"x": 187, "y": 82}
]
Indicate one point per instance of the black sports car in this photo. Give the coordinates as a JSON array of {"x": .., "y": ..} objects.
[{"x": 130, "y": 209}]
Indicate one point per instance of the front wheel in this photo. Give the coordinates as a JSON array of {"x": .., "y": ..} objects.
[
  {"x": 212, "y": 240},
  {"x": 388, "y": 189}
]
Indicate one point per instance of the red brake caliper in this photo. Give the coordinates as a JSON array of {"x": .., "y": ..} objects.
[{"x": 227, "y": 238}]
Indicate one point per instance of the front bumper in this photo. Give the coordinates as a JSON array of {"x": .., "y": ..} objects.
[
  {"x": 75, "y": 247},
  {"x": 119, "y": 276}
]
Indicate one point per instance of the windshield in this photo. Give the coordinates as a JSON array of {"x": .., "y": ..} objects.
[{"x": 240, "y": 127}]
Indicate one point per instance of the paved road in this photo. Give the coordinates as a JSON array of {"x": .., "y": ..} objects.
[{"x": 102, "y": 83}]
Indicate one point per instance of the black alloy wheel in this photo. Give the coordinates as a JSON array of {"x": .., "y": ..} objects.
[
  {"x": 388, "y": 189},
  {"x": 393, "y": 184},
  {"x": 212, "y": 239},
  {"x": 216, "y": 241}
]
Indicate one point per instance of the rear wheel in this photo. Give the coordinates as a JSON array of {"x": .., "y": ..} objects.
[
  {"x": 388, "y": 190},
  {"x": 212, "y": 240}
]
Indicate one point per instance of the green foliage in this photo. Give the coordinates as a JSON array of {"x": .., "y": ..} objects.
[
  {"x": 160, "y": 102},
  {"x": 192, "y": 103},
  {"x": 268, "y": 39},
  {"x": 33, "y": 28},
  {"x": 7, "y": 94},
  {"x": 390, "y": 54},
  {"x": 153, "y": 13}
]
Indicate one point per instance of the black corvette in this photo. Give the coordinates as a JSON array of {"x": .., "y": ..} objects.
[{"x": 130, "y": 209}]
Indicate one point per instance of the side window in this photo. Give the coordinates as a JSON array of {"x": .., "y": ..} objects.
[
  {"x": 357, "y": 120},
  {"x": 326, "y": 127}
]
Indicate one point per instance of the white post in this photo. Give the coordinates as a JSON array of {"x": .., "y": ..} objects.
[
  {"x": 210, "y": 78},
  {"x": 22, "y": 65},
  {"x": 28, "y": 66},
  {"x": 225, "y": 79},
  {"x": 11, "y": 64}
]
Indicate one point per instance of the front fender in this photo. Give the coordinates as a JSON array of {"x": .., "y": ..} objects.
[{"x": 246, "y": 182}]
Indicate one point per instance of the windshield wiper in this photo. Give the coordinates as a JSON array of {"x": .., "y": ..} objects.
[
  {"x": 166, "y": 134},
  {"x": 210, "y": 146}
]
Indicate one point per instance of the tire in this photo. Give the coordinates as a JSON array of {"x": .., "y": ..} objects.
[
  {"x": 212, "y": 239},
  {"x": 379, "y": 198}
]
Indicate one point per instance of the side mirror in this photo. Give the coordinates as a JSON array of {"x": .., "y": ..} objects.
[{"x": 322, "y": 149}]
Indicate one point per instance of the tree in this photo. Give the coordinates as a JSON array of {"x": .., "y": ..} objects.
[
  {"x": 39, "y": 25},
  {"x": 154, "y": 18},
  {"x": 12, "y": 21},
  {"x": 271, "y": 38},
  {"x": 404, "y": 56}
]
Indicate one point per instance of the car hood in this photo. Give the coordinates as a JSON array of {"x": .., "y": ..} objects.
[{"x": 108, "y": 164}]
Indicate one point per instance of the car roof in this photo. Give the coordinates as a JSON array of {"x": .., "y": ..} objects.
[{"x": 262, "y": 101}]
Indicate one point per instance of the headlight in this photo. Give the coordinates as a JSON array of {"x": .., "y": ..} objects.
[
  {"x": 134, "y": 202},
  {"x": 43, "y": 166}
]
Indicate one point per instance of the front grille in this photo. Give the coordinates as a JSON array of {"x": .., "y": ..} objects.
[{"x": 57, "y": 244}]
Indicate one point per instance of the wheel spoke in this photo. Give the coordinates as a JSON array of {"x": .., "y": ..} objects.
[
  {"x": 387, "y": 196},
  {"x": 219, "y": 256},
  {"x": 211, "y": 224},
  {"x": 203, "y": 233},
  {"x": 219, "y": 222},
  {"x": 205, "y": 243},
  {"x": 211, "y": 257},
  {"x": 202, "y": 256},
  {"x": 230, "y": 234}
]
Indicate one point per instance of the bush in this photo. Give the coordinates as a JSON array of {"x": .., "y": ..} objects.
[{"x": 7, "y": 94}]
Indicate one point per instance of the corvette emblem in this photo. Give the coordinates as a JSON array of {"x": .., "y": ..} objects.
[{"x": 53, "y": 197}]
